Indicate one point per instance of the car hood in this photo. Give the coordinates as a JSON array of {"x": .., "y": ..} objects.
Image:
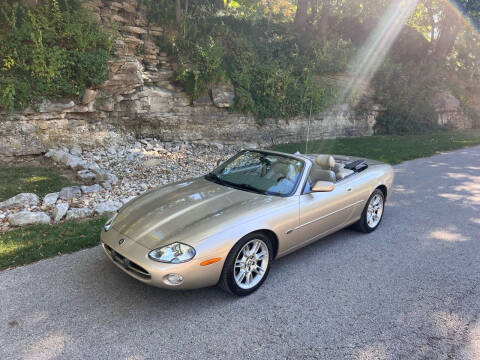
[{"x": 188, "y": 211}]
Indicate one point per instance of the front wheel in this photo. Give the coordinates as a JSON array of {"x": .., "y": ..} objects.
[
  {"x": 372, "y": 213},
  {"x": 247, "y": 265}
]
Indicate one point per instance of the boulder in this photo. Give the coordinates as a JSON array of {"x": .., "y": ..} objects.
[
  {"x": 88, "y": 96},
  {"x": 76, "y": 150},
  {"x": 444, "y": 101},
  {"x": 94, "y": 167},
  {"x": 91, "y": 189},
  {"x": 57, "y": 155},
  {"x": 48, "y": 107},
  {"x": 22, "y": 199},
  {"x": 112, "y": 178},
  {"x": 202, "y": 101},
  {"x": 23, "y": 218},
  {"x": 60, "y": 211},
  {"x": 86, "y": 175},
  {"x": 71, "y": 192},
  {"x": 107, "y": 207},
  {"x": 79, "y": 213},
  {"x": 74, "y": 162},
  {"x": 104, "y": 175},
  {"x": 112, "y": 150},
  {"x": 50, "y": 199},
  {"x": 223, "y": 95},
  {"x": 134, "y": 30},
  {"x": 63, "y": 157},
  {"x": 218, "y": 146}
]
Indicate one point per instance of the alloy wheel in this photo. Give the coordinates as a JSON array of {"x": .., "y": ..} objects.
[
  {"x": 251, "y": 264},
  {"x": 375, "y": 210}
]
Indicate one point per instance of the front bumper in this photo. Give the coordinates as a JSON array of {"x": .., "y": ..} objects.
[{"x": 133, "y": 259}]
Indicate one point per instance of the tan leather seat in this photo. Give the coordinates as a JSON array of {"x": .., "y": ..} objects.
[
  {"x": 319, "y": 174},
  {"x": 327, "y": 162},
  {"x": 341, "y": 172}
]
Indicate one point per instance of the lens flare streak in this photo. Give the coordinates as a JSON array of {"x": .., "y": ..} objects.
[{"x": 376, "y": 48}]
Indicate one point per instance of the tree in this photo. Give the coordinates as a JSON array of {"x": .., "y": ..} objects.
[{"x": 302, "y": 13}]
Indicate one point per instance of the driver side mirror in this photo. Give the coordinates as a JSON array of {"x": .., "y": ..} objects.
[
  {"x": 323, "y": 186},
  {"x": 219, "y": 161}
]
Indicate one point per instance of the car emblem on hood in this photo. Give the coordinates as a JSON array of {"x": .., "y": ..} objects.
[{"x": 121, "y": 241}]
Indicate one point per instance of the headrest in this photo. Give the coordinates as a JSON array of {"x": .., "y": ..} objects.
[{"x": 325, "y": 161}]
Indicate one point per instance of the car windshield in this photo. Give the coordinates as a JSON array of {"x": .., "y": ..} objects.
[{"x": 260, "y": 172}]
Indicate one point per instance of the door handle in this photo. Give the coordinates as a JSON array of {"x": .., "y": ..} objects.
[{"x": 349, "y": 189}]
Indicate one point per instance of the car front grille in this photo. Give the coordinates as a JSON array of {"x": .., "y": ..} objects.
[{"x": 127, "y": 264}]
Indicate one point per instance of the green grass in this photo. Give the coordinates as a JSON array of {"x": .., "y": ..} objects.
[
  {"x": 39, "y": 180},
  {"x": 36, "y": 242},
  {"x": 33, "y": 243},
  {"x": 391, "y": 149}
]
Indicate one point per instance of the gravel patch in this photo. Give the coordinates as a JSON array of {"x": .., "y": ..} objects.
[{"x": 117, "y": 174}]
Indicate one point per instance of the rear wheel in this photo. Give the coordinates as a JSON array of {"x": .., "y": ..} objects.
[
  {"x": 372, "y": 213},
  {"x": 247, "y": 264}
]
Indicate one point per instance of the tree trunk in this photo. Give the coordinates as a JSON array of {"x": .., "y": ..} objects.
[
  {"x": 447, "y": 36},
  {"x": 323, "y": 23},
  {"x": 178, "y": 11},
  {"x": 301, "y": 14},
  {"x": 314, "y": 12},
  {"x": 227, "y": 7},
  {"x": 269, "y": 9}
]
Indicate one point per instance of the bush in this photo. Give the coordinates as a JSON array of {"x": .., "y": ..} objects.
[
  {"x": 272, "y": 72},
  {"x": 52, "y": 50},
  {"x": 407, "y": 97}
]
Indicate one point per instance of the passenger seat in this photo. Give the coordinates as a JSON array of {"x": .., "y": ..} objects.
[{"x": 327, "y": 162}]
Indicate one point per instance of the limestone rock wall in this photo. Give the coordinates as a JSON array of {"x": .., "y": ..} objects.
[
  {"x": 450, "y": 112},
  {"x": 140, "y": 98}
]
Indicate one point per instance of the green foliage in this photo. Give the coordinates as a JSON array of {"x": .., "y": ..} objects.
[
  {"x": 407, "y": 97},
  {"x": 273, "y": 73},
  {"x": 52, "y": 50},
  {"x": 201, "y": 65}
]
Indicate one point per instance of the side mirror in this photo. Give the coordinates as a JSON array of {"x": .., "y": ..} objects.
[
  {"x": 323, "y": 186},
  {"x": 219, "y": 161}
]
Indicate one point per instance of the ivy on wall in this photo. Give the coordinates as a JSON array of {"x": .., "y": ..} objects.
[{"x": 51, "y": 50}]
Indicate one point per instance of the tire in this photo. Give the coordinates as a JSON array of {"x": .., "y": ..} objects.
[
  {"x": 255, "y": 264},
  {"x": 367, "y": 224}
]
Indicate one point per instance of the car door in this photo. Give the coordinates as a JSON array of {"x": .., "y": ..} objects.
[{"x": 324, "y": 212}]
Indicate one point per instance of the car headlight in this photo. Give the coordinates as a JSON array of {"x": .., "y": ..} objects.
[
  {"x": 174, "y": 253},
  {"x": 109, "y": 223}
]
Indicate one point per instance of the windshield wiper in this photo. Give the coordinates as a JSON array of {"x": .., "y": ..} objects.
[
  {"x": 215, "y": 178},
  {"x": 220, "y": 181},
  {"x": 249, "y": 187}
]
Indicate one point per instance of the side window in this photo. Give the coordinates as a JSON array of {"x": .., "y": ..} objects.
[{"x": 307, "y": 188}]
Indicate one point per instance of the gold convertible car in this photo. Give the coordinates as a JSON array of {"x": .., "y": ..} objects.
[{"x": 228, "y": 226}]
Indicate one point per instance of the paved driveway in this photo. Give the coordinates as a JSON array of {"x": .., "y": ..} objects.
[{"x": 410, "y": 290}]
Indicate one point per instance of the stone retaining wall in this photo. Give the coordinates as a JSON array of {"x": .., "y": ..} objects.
[{"x": 140, "y": 98}]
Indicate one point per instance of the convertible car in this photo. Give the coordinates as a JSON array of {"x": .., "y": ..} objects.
[{"x": 228, "y": 226}]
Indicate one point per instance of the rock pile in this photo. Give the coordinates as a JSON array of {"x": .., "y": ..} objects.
[{"x": 117, "y": 175}]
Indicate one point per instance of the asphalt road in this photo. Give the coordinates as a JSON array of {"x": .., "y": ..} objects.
[{"x": 410, "y": 290}]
